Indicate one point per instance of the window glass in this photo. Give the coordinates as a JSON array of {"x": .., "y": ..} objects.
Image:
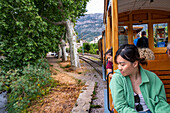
[
  {"x": 160, "y": 33},
  {"x": 137, "y": 31}
]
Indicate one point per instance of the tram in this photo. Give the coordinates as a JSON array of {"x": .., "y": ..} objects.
[{"x": 152, "y": 16}]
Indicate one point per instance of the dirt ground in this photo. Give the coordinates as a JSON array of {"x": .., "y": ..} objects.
[{"x": 62, "y": 98}]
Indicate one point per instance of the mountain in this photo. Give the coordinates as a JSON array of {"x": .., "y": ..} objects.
[{"x": 90, "y": 26}]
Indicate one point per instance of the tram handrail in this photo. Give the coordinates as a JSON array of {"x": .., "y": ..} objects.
[{"x": 108, "y": 91}]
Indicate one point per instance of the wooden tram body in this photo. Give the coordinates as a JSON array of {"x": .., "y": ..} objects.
[{"x": 131, "y": 13}]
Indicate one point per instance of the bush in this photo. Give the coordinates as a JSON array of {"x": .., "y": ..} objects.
[
  {"x": 95, "y": 46},
  {"x": 86, "y": 47},
  {"x": 33, "y": 82},
  {"x": 93, "y": 51},
  {"x": 79, "y": 50}
]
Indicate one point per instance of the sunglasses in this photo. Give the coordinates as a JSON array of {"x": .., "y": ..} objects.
[{"x": 139, "y": 106}]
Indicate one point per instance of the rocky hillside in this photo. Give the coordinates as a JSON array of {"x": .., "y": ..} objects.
[{"x": 90, "y": 26}]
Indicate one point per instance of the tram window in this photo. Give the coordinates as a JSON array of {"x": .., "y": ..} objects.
[
  {"x": 123, "y": 35},
  {"x": 160, "y": 33},
  {"x": 137, "y": 30}
]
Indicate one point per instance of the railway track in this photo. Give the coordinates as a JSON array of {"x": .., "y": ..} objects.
[
  {"x": 87, "y": 54},
  {"x": 93, "y": 63}
]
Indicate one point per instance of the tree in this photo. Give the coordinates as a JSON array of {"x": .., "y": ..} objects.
[
  {"x": 70, "y": 10},
  {"x": 31, "y": 28},
  {"x": 63, "y": 48}
]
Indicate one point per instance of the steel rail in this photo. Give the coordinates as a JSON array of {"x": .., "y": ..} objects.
[
  {"x": 85, "y": 59},
  {"x": 95, "y": 56},
  {"x": 100, "y": 64}
]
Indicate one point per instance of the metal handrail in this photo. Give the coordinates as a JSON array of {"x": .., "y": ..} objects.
[{"x": 108, "y": 91}]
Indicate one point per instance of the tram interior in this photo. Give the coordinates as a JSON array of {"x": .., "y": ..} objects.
[{"x": 133, "y": 17}]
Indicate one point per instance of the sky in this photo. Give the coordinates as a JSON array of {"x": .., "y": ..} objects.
[{"x": 95, "y": 6}]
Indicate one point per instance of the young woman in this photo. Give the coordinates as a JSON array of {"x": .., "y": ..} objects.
[
  {"x": 135, "y": 89},
  {"x": 109, "y": 66}
]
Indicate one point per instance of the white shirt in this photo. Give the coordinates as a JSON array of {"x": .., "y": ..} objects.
[{"x": 142, "y": 102}]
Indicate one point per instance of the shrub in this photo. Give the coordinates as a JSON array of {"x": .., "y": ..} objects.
[
  {"x": 33, "y": 82},
  {"x": 93, "y": 51},
  {"x": 86, "y": 47},
  {"x": 79, "y": 49}
]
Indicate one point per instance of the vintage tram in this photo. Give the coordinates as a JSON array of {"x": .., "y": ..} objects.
[{"x": 134, "y": 16}]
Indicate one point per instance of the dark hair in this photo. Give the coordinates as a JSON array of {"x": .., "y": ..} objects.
[
  {"x": 143, "y": 33},
  {"x": 110, "y": 51},
  {"x": 130, "y": 53}
]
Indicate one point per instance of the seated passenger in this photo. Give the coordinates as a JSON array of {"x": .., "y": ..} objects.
[
  {"x": 168, "y": 49},
  {"x": 134, "y": 89},
  {"x": 136, "y": 39},
  {"x": 109, "y": 66},
  {"x": 123, "y": 39}
]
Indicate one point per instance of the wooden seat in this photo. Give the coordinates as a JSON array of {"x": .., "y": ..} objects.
[{"x": 165, "y": 77}]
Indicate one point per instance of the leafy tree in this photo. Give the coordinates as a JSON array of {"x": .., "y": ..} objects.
[
  {"x": 86, "y": 47},
  {"x": 31, "y": 28}
]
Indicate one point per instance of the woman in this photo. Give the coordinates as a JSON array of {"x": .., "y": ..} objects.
[
  {"x": 109, "y": 66},
  {"x": 135, "y": 89}
]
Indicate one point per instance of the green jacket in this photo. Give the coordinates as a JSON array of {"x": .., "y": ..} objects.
[{"x": 151, "y": 88}]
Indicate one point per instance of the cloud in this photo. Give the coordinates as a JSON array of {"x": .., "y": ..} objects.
[{"x": 95, "y": 6}]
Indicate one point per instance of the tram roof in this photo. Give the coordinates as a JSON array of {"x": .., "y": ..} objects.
[{"x": 130, "y": 5}]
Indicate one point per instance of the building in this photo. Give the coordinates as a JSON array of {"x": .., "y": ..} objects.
[{"x": 95, "y": 40}]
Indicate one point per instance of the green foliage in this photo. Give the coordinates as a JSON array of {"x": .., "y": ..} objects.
[
  {"x": 33, "y": 82},
  {"x": 86, "y": 47},
  {"x": 89, "y": 48},
  {"x": 28, "y": 29},
  {"x": 93, "y": 51},
  {"x": 94, "y": 46},
  {"x": 79, "y": 49},
  {"x": 28, "y": 32},
  {"x": 95, "y": 106}
]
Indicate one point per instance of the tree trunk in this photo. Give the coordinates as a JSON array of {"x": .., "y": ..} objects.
[
  {"x": 63, "y": 47},
  {"x": 60, "y": 52},
  {"x": 71, "y": 37}
]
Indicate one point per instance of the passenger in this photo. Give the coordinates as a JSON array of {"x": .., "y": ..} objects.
[
  {"x": 168, "y": 49},
  {"x": 135, "y": 89},
  {"x": 109, "y": 66},
  {"x": 136, "y": 39},
  {"x": 143, "y": 41},
  {"x": 123, "y": 39}
]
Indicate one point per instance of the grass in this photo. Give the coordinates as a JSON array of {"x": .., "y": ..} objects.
[
  {"x": 95, "y": 106},
  {"x": 94, "y": 97},
  {"x": 79, "y": 82}
]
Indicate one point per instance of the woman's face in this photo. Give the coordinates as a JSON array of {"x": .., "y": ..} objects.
[
  {"x": 126, "y": 68},
  {"x": 110, "y": 58}
]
